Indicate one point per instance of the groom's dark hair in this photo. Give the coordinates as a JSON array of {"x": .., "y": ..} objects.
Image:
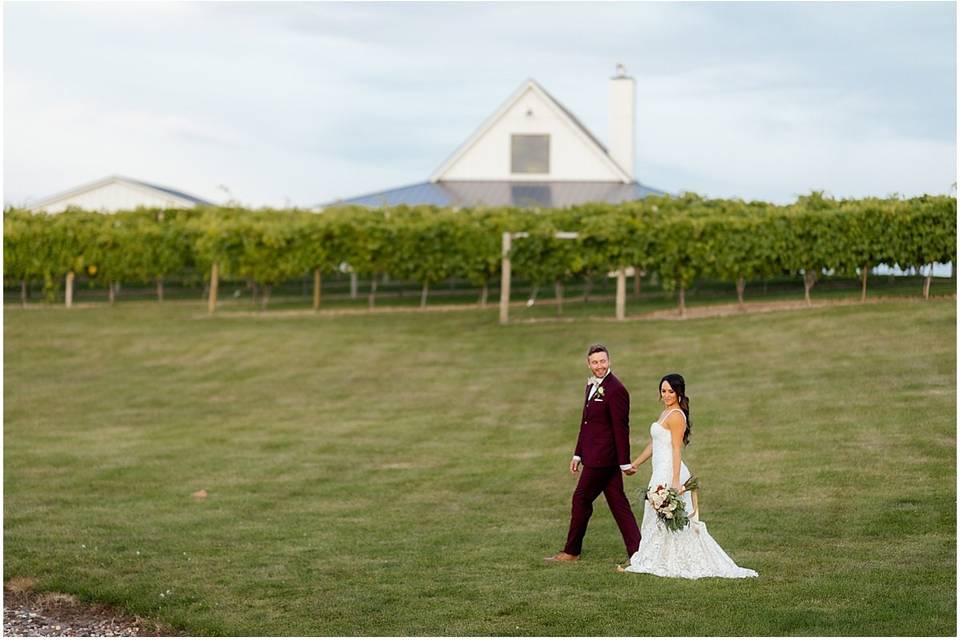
[{"x": 597, "y": 348}]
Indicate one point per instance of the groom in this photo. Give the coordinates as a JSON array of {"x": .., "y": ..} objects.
[{"x": 603, "y": 448}]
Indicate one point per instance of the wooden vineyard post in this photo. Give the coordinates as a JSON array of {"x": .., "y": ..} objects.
[
  {"x": 621, "y": 294},
  {"x": 214, "y": 281},
  {"x": 68, "y": 298},
  {"x": 505, "y": 279},
  {"x": 316, "y": 289},
  {"x": 621, "y": 275}
]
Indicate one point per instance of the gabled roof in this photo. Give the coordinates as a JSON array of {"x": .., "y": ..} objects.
[
  {"x": 177, "y": 194},
  {"x": 564, "y": 113},
  {"x": 188, "y": 199},
  {"x": 575, "y": 119},
  {"x": 496, "y": 193}
]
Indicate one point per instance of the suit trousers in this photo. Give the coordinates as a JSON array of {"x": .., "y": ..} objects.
[{"x": 609, "y": 482}]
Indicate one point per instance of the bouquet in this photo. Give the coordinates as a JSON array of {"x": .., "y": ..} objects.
[{"x": 668, "y": 504}]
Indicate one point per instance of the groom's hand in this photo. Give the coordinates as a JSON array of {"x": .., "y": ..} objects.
[
  {"x": 574, "y": 465},
  {"x": 631, "y": 471}
]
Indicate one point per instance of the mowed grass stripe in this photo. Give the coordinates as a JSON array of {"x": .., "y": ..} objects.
[{"x": 392, "y": 475}]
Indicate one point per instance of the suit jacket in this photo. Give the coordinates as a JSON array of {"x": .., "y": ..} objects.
[{"x": 604, "y": 439}]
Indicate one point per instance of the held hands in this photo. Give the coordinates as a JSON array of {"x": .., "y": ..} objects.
[
  {"x": 634, "y": 467},
  {"x": 575, "y": 467}
]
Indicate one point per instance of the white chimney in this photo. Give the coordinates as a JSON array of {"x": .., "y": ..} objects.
[{"x": 623, "y": 99}]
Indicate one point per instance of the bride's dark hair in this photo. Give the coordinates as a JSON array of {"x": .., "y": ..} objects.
[{"x": 675, "y": 380}]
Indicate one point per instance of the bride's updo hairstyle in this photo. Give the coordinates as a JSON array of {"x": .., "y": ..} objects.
[{"x": 675, "y": 380}]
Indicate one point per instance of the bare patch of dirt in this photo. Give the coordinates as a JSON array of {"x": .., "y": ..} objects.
[
  {"x": 27, "y": 613},
  {"x": 393, "y": 466},
  {"x": 749, "y": 308},
  {"x": 724, "y": 310}
]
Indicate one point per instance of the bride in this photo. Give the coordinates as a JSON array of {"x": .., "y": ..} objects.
[{"x": 690, "y": 552}]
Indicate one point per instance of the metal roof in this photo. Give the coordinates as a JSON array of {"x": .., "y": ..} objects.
[
  {"x": 495, "y": 193},
  {"x": 90, "y": 186},
  {"x": 173, "y": 192}
]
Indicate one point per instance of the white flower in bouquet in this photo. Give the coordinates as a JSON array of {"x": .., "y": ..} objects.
[{"x": 657, "y": 496}]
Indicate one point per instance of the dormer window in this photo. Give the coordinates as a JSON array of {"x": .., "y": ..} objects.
[{"x": 529, "y": 153}]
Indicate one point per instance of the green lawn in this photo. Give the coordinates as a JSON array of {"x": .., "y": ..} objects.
[{"x": 406, "y": 474}]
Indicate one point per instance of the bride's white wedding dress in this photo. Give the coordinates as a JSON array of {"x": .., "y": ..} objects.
[{"x": 687, "y": 553}]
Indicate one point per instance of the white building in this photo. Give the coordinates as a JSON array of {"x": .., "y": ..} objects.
[
  {"x": 117, "y": 193},
  {"x": 534, "y": 151}
]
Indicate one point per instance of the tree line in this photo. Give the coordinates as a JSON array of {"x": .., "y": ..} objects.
[{"x": 680, "y": 239}]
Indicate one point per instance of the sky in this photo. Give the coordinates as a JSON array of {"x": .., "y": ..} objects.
[{"x": 302, "y": 103}]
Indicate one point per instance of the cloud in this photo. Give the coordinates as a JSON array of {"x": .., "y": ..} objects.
[
  {"x": 315, "y": 101},
  {"x": 757, "y": 138}
]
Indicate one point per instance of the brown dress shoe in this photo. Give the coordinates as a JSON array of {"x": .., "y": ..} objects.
[{"x": 562, "y": 557}]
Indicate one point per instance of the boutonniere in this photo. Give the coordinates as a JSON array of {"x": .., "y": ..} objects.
[{"x": 600, "y": 391}]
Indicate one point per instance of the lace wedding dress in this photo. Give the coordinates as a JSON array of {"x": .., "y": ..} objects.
[{"x": 689, "y": 553}]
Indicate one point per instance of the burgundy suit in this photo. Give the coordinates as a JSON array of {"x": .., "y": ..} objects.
[{"x": 603, "y": 445}]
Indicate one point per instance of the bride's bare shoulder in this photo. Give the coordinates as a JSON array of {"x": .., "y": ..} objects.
[{"x": 675, "y": 421}]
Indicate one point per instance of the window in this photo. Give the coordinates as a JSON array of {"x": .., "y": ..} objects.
[
  {"x": 529, "y": 153},
  {"x": 530, "y": 195}
]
